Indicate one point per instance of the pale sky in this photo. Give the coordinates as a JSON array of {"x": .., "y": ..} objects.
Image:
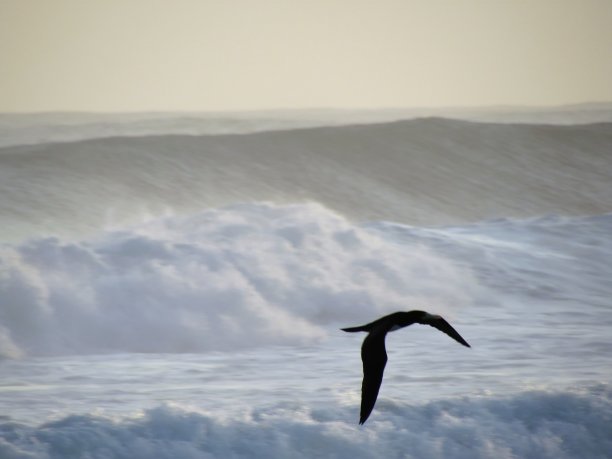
[{"x": 210, "y": 55}]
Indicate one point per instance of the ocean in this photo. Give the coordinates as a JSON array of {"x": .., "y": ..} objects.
[{"x": 174, "y": 286}]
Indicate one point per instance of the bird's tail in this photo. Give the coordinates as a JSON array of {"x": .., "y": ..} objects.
[{"x": 356, "y": 329}]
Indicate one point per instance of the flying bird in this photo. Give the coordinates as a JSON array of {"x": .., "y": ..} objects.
[{"x": 374, "y": 354}]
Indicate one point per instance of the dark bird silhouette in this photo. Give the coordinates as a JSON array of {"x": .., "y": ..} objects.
[{"x": 374, "y": 354}]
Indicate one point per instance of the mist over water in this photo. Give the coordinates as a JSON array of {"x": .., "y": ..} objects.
[{"x": 181, "y": 296}]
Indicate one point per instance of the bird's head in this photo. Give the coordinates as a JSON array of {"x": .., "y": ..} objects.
[{"x": 429, "y": 316}]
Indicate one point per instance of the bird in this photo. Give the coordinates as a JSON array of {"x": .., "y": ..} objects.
[{"x": 374, "y": 354}]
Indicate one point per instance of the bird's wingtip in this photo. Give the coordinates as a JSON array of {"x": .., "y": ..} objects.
[{"x": 352, "y": 329}]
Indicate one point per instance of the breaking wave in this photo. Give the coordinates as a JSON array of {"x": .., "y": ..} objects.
[{"x": 227, "y": 278}]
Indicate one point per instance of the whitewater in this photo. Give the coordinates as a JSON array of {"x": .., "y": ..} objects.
[{"x": 172, "y": 288}]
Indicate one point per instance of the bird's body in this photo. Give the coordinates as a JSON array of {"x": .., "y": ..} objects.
[{"x": 374, "y": 354}]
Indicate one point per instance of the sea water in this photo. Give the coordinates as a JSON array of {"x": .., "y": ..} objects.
[{"x": 188, "y": 332}]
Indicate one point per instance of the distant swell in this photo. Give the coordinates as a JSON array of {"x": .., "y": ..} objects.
[
  {"x": 540, "y": 425},
  {"x": 421, "y": 172}
]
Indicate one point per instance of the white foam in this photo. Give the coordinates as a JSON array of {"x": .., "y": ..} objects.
[
  {"x": 546, "y": 425},
  {"x": 228, "y": 278}
]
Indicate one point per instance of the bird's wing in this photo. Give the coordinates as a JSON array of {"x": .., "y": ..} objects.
[
  {"x": 442, "y": 325},
  {"x": 374, "y": 358}
]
